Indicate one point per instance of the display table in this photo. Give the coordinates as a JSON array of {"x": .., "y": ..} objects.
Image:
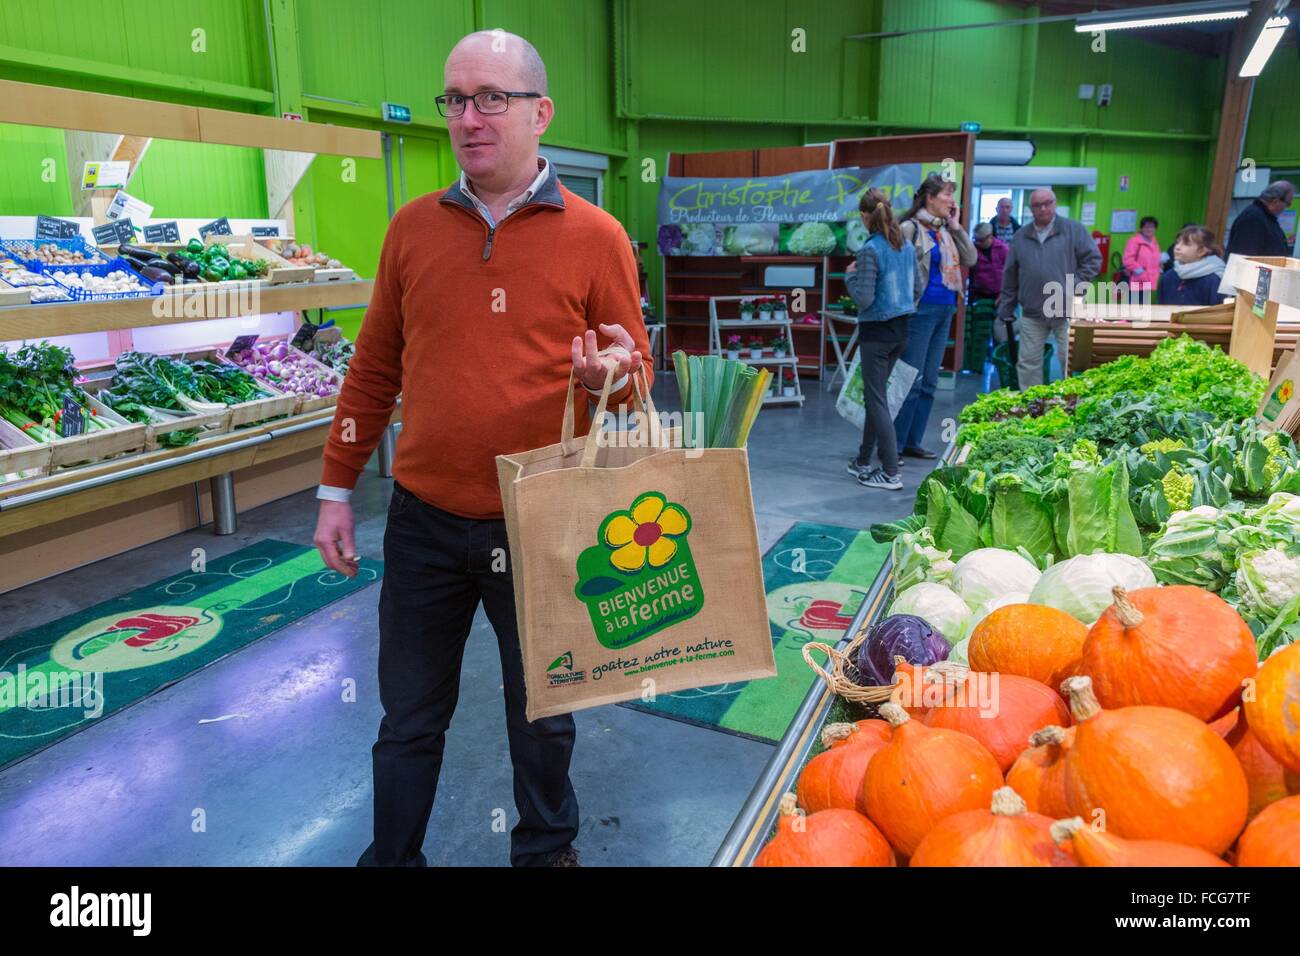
[{"x": 843, "y": 355}]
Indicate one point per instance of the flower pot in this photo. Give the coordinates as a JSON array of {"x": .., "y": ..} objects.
[
  {"x": 787, "y": 390},
  {"x": 756, "y": 353},
  {"x": 779, "y": 353},
  {"x": 747, "y": 316},
  {"x": 779, "y": 315},
  {"x": 765, "y": 315},
  {"x": 733, "y": 353}
]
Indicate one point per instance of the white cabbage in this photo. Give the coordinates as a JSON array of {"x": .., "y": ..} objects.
[
  {"x": 938, "y": 606},
  {"x": 1081, "y": 586},
  {"x": 986, "y": 573}
]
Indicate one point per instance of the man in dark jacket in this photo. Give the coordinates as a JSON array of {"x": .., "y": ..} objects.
[
  {"x": 1004, "y": 226},
  {"x": 1256, "y": 231}
]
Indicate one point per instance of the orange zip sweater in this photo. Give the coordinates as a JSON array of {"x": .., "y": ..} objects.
[{"x": 472, "y": 327}]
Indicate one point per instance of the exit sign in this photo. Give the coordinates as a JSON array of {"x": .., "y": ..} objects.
[
  {"x": 397, "y": 113},
  {"x": 971, "y": 127}
]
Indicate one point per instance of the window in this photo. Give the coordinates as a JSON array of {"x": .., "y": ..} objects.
[{"x": 581, "y": 173}]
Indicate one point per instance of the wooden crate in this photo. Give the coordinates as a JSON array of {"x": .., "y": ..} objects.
[
  {"x": 305, "y": 404},
  {"x": 259, "y": 409},
  {"x": 14, "y": 295},
  {"x": 246, "y": 247},
  {"x": 166, "y": 420},
  {"x": 20, "y": 455},
  {"x": 97, "y": 446},
  {"x": 279, "y": 244}
]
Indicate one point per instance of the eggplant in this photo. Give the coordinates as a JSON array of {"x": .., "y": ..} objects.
[
  {"x": 193, "y": 270},
  {"x": 177, "y": 259},
  {"x": 139, "y": 252},
  {"x": 154, "y": 274},
  {"x": 136, "y": 263},
  {"x": 170, "y": 267}
]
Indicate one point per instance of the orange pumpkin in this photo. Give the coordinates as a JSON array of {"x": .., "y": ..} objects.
[
  {"x": 1096, "y": 848},
  {"x": 1015, "y": 708},
  {"x": 1156, "y": 773},
  {"x": 825, "y": 838},
  {"x": 923, "y": 775},
  {"x": 1029, "y": 640},
  {"x": 1039, "y": 773},
  {"x": 1175, "y": 646},
  {"x": 920, "y": 686},
  {"x": 1005, "y": 835},
  {"x": 833, "y": 779},
  {"x": 1273, "y": 711},
  {"x": 1273, "y": 837},
  {"x": 1267, "y": 779}
]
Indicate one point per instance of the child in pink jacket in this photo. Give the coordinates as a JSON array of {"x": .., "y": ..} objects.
[{"x": 1142, "y": 256}]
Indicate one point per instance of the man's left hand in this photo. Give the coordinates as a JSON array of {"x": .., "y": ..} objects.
[{"x": 590, "y": 368}]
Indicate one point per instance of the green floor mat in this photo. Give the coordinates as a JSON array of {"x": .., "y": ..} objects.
[
  {"x": 816, "y": 578},
  {"x": 60, "y": 677}
]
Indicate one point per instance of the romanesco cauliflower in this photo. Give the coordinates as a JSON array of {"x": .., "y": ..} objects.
[{"x": 1177, "y": 487}]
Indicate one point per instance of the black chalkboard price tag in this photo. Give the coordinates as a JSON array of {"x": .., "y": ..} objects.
[
  {"x": 303, "y": 337},
  {"x": 114, "y": 233},
  {"x": 217, "y": 227},
  {"x": 162, "y": 232},
  {"x": 1262, "y": 286},
  {"x": 70, "y": 423},
  {"x": 266, "y": 232},
  {"x": 241, "y": 343},
  {"x": 47, "y": 227}
]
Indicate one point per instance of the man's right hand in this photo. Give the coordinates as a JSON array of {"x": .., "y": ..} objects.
[{"x": 334, "y": 537}]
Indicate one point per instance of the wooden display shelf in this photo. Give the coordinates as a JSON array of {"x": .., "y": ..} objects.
[
  {"x": 70, "y": 318},
  {"x": 34, "y": 105}
]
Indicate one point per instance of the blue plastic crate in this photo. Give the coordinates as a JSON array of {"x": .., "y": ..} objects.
[
  {"x": 23, "y": 249},
  {"x": 102, "y": 269}
]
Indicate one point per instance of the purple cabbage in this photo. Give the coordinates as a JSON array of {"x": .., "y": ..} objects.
[{"x": 902, "y": 635}]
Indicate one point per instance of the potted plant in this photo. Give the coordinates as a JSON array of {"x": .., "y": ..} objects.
[
  {"x": 781, "y": 346},
  {"x": 778, "y": 308},
  {"x": 787, "y": 382},
  {"x": 765, "y": 309},
  {"x": 733, "y": 346},
  {"x": 756, "y": 348},
  {"x": 747, "y": 310}
]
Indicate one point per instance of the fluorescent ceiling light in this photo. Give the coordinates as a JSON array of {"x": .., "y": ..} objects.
[
  {"x": 1264, "y": 46},
  {"x": 1161, "y": 16}
]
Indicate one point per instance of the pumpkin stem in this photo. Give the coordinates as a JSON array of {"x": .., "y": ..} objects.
[
  {"x": 1008, "y": 803},
  {"x": 1125, "y": 610},
  {"x": 1063, "y": 830},
  {"x": 789, "y": 805},
  {"x": 894, "y": 713},
  {"x": 1083, "y": 702},
  {"x": 832, "y": 733},
  {"x": 1047, "y": 735}
]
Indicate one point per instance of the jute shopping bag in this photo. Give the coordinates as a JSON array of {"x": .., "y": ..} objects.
[{"x": 636, "y": 565}]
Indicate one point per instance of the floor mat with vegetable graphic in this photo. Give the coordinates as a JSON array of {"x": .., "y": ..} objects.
[
  {"x": 60, "y": 677},
  {"x": 816, "y": 577}
]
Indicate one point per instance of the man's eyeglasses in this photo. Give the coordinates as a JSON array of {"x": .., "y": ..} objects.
[
  {"x": 1042, "y": 205},
  {"x": 488, "y": 101}
]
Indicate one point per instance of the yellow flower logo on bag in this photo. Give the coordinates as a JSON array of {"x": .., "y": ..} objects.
[
  {"x": 1278, "y": 400},
  {"x": 640, "y": 578}
]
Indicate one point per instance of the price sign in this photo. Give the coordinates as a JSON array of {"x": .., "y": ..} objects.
[
  {"x": 1262, "y": 286},
  {"x": 162, "y": 232},
  {"x": 114, "y": 233},
  {"x": 303, "y": 337},
  {"x": 217, "y": 227},
  {"x": 47, "y": 227},
  {"x": 241, "y": 343},
  {"x": 266, "y": 232},
  {"x": 70, "y": 423}
]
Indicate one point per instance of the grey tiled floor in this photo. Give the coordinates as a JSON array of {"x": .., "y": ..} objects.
[{"x": 288, "y": 781}]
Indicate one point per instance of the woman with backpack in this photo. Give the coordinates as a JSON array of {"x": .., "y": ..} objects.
[
  {"x": 884, "y": 281},
  {"x": 942, "y": 247}
]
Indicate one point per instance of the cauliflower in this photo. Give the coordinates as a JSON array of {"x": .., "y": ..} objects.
[
  {"x": 1177, "y": 487},
  {"x": 1269, "y": 579},
  {"x": 812, "y": 239},
  {"x": 1162, "y": 444},
  {"x": 1277, "y": 458}
]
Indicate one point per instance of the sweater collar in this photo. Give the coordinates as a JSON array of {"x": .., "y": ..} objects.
[{"x": 545, "y": 190}]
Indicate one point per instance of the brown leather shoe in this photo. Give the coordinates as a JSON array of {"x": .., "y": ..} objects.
[{"x": 566, "y": 857}]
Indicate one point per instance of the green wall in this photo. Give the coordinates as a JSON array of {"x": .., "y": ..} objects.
[{"x": 633, "y": 79}]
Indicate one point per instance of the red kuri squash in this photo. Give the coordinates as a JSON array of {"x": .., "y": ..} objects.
[
  {"x": 1176, "y": 646},
  {"x": 1000, "y": 711},
  {"x": 1267, "y": 779},
  {"x": 1273, "y": 837},
  {"x": 1005, "y": 835},
  {"x": 1097, "y": 848},
  {"x": 1156, "y": 773},
  {"x": 923, "y": 775},
  {"x": 825, "y": 838},
  {"x": 1273, "y": 709},
  {"x": 1038, "y": 774},
  {"x": 833, "y": 779},
  {"x": 1030, "y": 640}
]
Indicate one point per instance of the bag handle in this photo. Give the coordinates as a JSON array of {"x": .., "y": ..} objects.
[{"x": 641, "y": 401}]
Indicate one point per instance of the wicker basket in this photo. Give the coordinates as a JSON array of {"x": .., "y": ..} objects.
[{"x": 842, "y": 671}]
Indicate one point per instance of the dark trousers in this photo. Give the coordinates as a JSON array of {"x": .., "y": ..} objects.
[
  {"x": 437, "y": 568},
  {"x": 880, "y": 345}
]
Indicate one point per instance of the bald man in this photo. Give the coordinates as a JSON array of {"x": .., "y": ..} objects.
[
  {"x": 489, "y": 296},
  {"x": 1050, "y": 260}
]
